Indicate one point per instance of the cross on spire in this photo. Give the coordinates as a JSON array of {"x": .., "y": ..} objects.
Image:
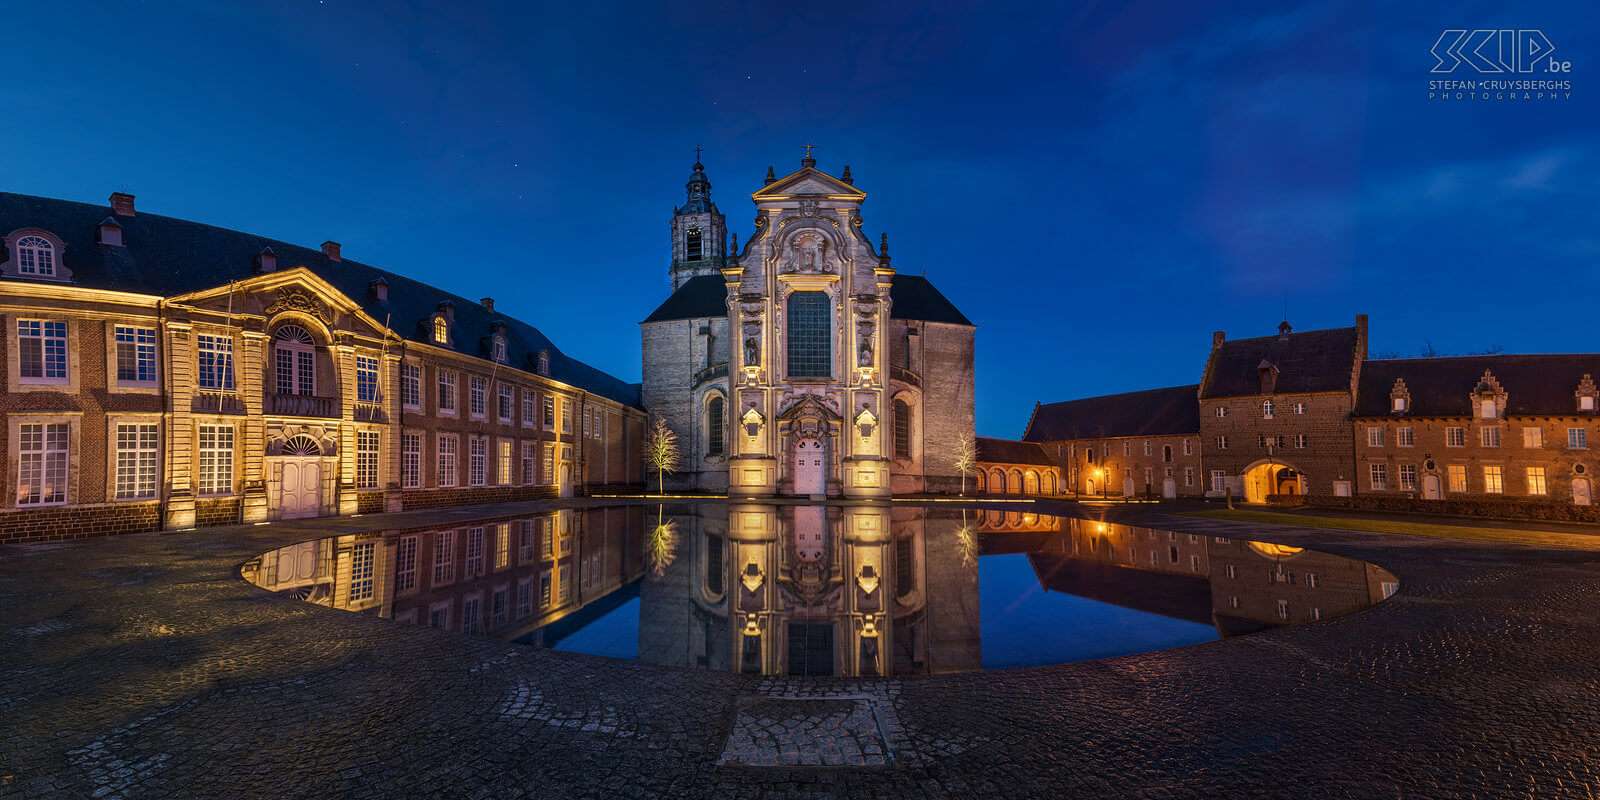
[
  {"x": 697, "y": 154},
  {"x": 808, "y": 161},
  {"x": 808, "y": 149}
]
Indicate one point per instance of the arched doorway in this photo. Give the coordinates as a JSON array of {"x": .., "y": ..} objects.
[
  {"x": 1265, "y": 478},
  {"x": 1430, "y": 487},
  {"x": 808, "y": 468},
  {"x": 300, "y": 479},
  {"x": 1581, "y": 492}
]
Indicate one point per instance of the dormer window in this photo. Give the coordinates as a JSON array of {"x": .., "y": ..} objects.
[
  {"x": 497, "y": 349},
  {"x": 544, "y": 362},
  {"x": 1398, "y": 404},
  {"x": 1487, "y": 408},
  {"x": 1586, "y": 404},
  {"x": 441, "y": 330},
  {"x": 692, "y": 246},
  {"x": 36, "y": 257}
]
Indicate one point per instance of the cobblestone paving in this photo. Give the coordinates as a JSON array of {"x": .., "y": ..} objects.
[
  {"x": 827, "y": 731},
  {"x": 142, "y": 666}
]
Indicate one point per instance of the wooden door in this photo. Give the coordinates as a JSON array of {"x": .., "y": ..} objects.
[
  {"x": 301, "y": 488},
  {"x": 808, "y": 469},
  {"x": 1430, "y": 487},
  {"x": 1580, "y": 491}
]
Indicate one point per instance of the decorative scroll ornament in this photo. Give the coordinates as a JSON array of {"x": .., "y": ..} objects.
[{"x": 299, "y": 300}]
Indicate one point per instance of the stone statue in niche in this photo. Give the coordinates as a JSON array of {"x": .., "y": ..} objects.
[
  {"x": 808, "y": 252},
  {"x": 866, "y": 346},
  {"x": 752, "y": 346}
]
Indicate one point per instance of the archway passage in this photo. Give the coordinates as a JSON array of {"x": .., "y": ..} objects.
[{"x": 1269, "y": 478}]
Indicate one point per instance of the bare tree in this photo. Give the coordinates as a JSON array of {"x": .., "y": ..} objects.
[
  {"x": 966, "y": 457},
  {"x": 1492, "y": 349},
  {"x": 661, "y": 452},
  {"x": 661, "y": 549}
]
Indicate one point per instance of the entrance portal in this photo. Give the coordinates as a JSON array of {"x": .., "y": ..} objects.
[
  {"x": 1430, "y": 487},
  {"x": 1269, "y": 478},
  {"x": 808, "y": 469},
  {"x": 301, "y": 488}
]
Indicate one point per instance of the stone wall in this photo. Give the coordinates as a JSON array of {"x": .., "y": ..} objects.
[{"x": 1326, "y": 458}]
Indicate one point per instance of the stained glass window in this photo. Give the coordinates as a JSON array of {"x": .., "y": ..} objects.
[{"x": 810, "y": 342}]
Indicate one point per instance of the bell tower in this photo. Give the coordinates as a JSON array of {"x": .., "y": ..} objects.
[{"x": 699, "y": 234}]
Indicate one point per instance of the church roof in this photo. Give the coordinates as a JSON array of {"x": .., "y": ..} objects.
[
  {"x": 166, "y": 256},
  {"x": 913, "y": 297},
  {"x": 1534, "y": 384},
  {"x": 1006, "y": 451},
  {"x": 1153, "y": 412},
  {"x": 1306, "y": 361}
]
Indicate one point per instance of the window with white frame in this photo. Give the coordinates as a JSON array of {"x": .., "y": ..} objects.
[
  {"x": 478, "y": 397},
  {"x": 294, "y": 356},
  {"x": 1405, "y": 437},
  {"x": 1219, "y": 480},
  {"x": 1188, "y": 476},
  {"x": 548, "y": 469},
  {"x": 1222, "y": 411},
  {"x": 1222, "y": 442},
  {"x": 503, "y": 402},
  {"x": 362, "y": 558},
  {"x": 444, "y": 557},
  {"x": 502, "y": 462},
  {"x": 1188, "y": 448},
  {"x": 599, "y": 424},
  {"x": 136, "y": 354},
  {"x": 544, "y": 362},
  {"x": 1536, "y": 481},
  {"x": 502, "y": 545},
  {"x": 1577, "y": 438},
  {"x": 36, "y": 256},
  {"x": 549, "y": 413},
  {"x": 441, "y": 330},
  {"x": 138, "y": 465},
  {"x": 1458, "y": 477},
  {"x": 366, "y": 459},
  {"x": 447, "y": 392},
  {"x": 1493, "y": 479},
  {"x": 215, "y": 361},
  {"x": 43, "y": 450},
  {"x": 525, "y": 541},
  {"x": 566, "y": 416},
  {"x": 410, "y": 385},
  {"x": 447, "y": 461},
  {"x": 1407, "y": 474},
  {"x": 1374, "y": 437},
  {"x": 1147, "y": 447},
  {"x": 474, "y": 564},
  {"x": 366, "y": 379},
  {"x": 497, "y": 349},
  {"x": 1300, "y": 441},
  {"x": 1266, "y": 409},
  {"x": 1533, "y": 437},
  {"x": 1380, "y": 477},
  {"x": 544, "y": 590},
  {"x": 530, "y": 455},
  {"x": 216, "y": 459},
  {"x": 529, "y": 412},
  {"x": 1398, "y": 404},
  {"x": 1455, "y": 437},
  {"x": 477, "y": 461},
  {"x": 405, "y": 564},
  {"x": 588, "y": 423},
  {"x": 42, "y": 351},
  {"x": 1491, "y": 437}
]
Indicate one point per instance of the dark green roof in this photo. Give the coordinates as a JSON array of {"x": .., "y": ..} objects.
[
  {"x": 912, "y": 297},
  {"x": 167, "y": 256}
]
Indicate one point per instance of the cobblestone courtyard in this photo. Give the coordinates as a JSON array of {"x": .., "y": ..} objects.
[{"x": 143, "y": 666}]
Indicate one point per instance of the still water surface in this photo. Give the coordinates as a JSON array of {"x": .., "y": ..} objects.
[{"x": 823, "y": 590}]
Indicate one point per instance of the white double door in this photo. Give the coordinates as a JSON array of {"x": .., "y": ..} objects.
[
  {"x": 301, "y": 488},
  {"x": 808, "y": 467}
]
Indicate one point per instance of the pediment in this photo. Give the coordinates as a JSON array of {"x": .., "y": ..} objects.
[
  {"x": 809, "y": 182},
  {"x": 298, "y": 291},
  {"x": 816, "y": 406}
]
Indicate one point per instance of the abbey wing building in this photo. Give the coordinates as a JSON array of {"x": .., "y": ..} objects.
[{"x": 804, "y": 364}]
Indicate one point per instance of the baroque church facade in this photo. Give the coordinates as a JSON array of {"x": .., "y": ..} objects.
[{"x": 803, "y": 363}]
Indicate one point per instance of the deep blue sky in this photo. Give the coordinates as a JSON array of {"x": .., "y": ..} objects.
[{"x": 1097, "y": 185}]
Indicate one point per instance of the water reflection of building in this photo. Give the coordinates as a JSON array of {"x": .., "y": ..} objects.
[
  {"x": 1237, "y": 586},
  {"x": 813, "y": 591},
  {"x": 508, "y": 578}
]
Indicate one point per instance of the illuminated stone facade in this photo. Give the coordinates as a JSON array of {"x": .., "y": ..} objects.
[
  {"x": 803, "y": 364},
  {"x": 167, "y": 374}
]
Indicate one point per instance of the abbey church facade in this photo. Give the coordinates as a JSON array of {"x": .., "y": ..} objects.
[{"x": 803, "y": 363}]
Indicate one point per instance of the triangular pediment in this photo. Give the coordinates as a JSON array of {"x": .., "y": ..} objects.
[
  {"x": 809, "y": 405},
  {"x": 809, "y": 182},
  {"x": 296, "y": 289}
]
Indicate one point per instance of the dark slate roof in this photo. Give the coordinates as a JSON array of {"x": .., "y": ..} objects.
[
  {"x": 698, "y": 297},
  {"x": 167, "y": 256},
  {"x": 1152, "y": 412},
  {"x": 1307, "y": 361},
  {"x": 1006, "y": 451},
  {"x": 1534, "y": 384},
  {"x": 912, "y": 297},
  {"x": 1179, "y": 596}
]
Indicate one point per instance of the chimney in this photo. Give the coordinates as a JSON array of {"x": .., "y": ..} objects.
[
  {"x": 331, "y": 250},
  {"x": 110, "y": 232},
  {"x": 449, "y": 310},
  {"x": 266, "y": 260},
  {"x": 488, "y": 304},
  {"x": 1361, "y": 335},
  {"x": 122, "y": 204},
  {"x": 1217, "y": 338},
  {"x": 380, "y": 290}
]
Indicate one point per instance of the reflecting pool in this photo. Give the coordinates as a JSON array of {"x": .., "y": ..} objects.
[{"x": 822, "y": 590}]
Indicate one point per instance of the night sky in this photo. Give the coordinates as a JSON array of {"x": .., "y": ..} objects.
[{"x": 1097, "y": 185}]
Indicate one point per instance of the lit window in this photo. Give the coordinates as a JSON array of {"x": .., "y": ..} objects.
[
  {"x": 137, "y": 465},
  {"x": 441, "y": 330},
  {"x": 447, "y": 392},
  {"x": 502, "y": 466},
  {"x": 1406, "y": 437},
  {"x": 566, "y": 416},
  {"x": 295, "y": 359},
  {"x": 136, "y": 354},
  {"x": 42, "y": 454},
  {"x": 362, "y": 557},
  {"x": 366, "y": 460},
  {"x": 1455, "y": 437},
  {"x": 1458, "y": 478},
  {"x": 1491, "y": 437},
  {"x": 1577, "y": 438},
  {"x": 1408, "y": 477},
  {"x": 410, "y": 460},
  {"x": 477, "y": 462},
  {"x": 1380, "y": 477},
  {"x": 1492, "y": 480},
  {"x": 502, "y": 545},
  {"x": 36, "y": 256},
  {"x": 447, "y": 461},
  {"x": 366, "y": 379},
  {"x": 548, "y": 465},
  {"x": 810, "y": 341},
  {"x": 1399, "y": 404},
  {"x": 42, "y": 350},
  {"x": 411, "y": 385},
  {"x": 405, "y": 570},
  {"x": 715, "y": 423},
  {"x": 1536, "y": 480},
  {"x": 525, "y": 541},
  {"x": 216, "y": 459}
]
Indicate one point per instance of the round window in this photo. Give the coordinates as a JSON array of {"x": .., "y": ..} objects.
[
  {"x": 1429, "y": 465},
  {"x": 1578, "y": 468}
]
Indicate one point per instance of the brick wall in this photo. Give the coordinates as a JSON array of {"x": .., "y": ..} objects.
[
  {"x": 413, "y": 499},
  {"x": 78, "y": 522},
  {"x": 1430, "y": 454},
  {"x": 1326, "y": 458}
]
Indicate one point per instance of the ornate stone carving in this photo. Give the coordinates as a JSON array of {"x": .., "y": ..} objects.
[
  {"x": 807, "y": 253},
  {"x": 299, "y": 300},
  {"x": 866, "y": 422},
  {"x": 808, "y": 208},
  {"x": 752, "y": 421},
  {"x": 752, "y": 345}
]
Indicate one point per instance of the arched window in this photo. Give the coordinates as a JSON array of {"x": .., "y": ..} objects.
[
  {"x": 497, "y": 350},
  {"x": 1166, "y": 452},
  {"x": 1266, "y": 409},
  {"x": 692, "y": 246},
  {"x": 810, "y": 336},
  {"x": 441, "y": 330},
  {"x": 715, "y": 424},
  {"x": 295, "y": 358},
  {"x": 902, "y": 429},
  {"x": 35, "y": 256},
  {"x": 544, "y": 362}
]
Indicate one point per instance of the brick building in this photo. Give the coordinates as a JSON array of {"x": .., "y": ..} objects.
[
  {"x": 1143, "y": 443},
  {"x": 1008, "y": 467},
  {"x": 162, "y": 373}
]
